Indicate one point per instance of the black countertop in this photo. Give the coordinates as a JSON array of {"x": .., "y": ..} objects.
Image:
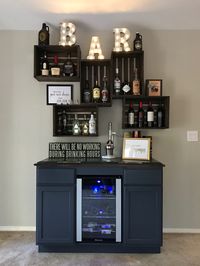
[{"x": 95, "y": 162}]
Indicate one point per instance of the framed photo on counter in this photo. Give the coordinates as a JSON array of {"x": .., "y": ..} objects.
[
  {"x": 136, "y": 149},
  {"x": 59, "y": 94},
  {"x": 154, "y": 87}
]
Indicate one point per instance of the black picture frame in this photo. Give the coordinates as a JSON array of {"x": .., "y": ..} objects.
[
  {"x": 154, "y": 87},
  {"x": 59, "y": 94}
]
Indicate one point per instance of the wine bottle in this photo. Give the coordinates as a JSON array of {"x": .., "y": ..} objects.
[
  {"x": 92, "y": 125},
  {"x": 43, "y": 35},
  {"x": 160, "y": 116},
  {"x": 131, "y": 115},
  {"x": 86, "y": 93},
  {"x": 150, "y": 115},
  {"x": 76, "y": 126},
  {"x": 104, "y": 91},
  {"x": 64, "y": 122},
  {"x": 68, "y": 67},
  {"x": 96, "y": 93},
  {"x": 136, "y": 82},
  {"x": 45, "y": 65},
  {"x": 137, "y": 44},
  {"x": 140, "y": 115},
  {"x": 55, "y": 69},
  {"x": 117, "y": 83}
]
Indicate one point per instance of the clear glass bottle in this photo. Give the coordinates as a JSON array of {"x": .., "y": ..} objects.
[
  {"x": 85, "y": 127},
  {"x": 131, "y": 118},
  {"x": 136, "y": 84},
  {"x": 92, "y": 125},
  {"x": 117, "y": 83},
  {"x": 45, "y": 65},
  {"x": 76, "y": 130},
  {"x": 104, "y": 92}
]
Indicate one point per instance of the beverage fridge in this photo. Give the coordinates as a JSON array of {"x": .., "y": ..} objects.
[{"x": 98, "y": 209}]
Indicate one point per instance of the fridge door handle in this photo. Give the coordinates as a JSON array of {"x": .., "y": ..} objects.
[
  {"x": 79, "y": 210},
  {"x": 118, "y": 211}
]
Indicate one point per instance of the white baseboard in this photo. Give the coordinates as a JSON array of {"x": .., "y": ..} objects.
[
  {"x": 165, "y": 230},
  {"x": 17, "y": 228},
  {"x": 181, "y": 230}
]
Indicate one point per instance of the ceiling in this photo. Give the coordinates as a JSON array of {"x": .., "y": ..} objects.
[{"x": 147, "y": 14}]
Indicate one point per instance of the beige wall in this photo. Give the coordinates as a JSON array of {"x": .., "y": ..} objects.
[{"x": 26, "y": 121}]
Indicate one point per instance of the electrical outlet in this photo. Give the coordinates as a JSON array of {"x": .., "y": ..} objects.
[{"x": 192, "y": 135}]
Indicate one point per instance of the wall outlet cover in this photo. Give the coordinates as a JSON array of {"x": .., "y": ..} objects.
[{"x": 192, "y": 135}]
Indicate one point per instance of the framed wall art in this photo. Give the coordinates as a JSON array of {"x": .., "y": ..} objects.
[
  {"x": 154, "y": 87},
  {"x": 136, "y": 149},
  {"x": 59, "y": 94}
]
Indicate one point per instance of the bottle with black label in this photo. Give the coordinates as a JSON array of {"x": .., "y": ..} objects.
[
  {"x": 131, "y": 116},
  {"x": 96, "y": 93},
  {"x": 160, "y": 115},
  {"x": 140, "y": 115},
  {"x": 150, "y": 115},
  {"x": 104, "y": 91},
  {"x": 137, "y": 44},
  {"x": 45, "y": 65},
  {"x": 43, "y": 35},
  {"x": 68, "y": 67},
  {"x": 86, "y": 93}
]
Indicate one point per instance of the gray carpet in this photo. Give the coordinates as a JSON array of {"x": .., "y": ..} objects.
[{"x": 19, "y": 249}]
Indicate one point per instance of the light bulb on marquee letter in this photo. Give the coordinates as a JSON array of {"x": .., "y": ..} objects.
[
  {"x": 67, "y": 37},
  {"x": 122, "y": 36},
  {"x": 95, "y": 49}
]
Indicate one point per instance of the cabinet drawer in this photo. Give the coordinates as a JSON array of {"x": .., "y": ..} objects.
[
  {"x": 143, "y": 177},
  {"x": 55, "y": 176}
]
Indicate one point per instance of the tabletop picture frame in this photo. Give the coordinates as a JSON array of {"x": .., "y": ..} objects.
[
  {"x": 154, "y": 87},
  {"x": 136, "y": 149},
  {"x": 59, "y": 94}
]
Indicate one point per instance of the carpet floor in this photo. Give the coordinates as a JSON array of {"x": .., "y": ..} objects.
[{"x": 19, "y": 249}]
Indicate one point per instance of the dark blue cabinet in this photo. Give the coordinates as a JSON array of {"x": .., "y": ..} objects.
[
  {"x": 143, "y": 207},
  {"x": 55, "y": 214}
]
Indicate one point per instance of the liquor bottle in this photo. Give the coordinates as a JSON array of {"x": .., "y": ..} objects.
[
  {"x": 92, "y": 125},
  {"x": 86, "y": 93},
  {"x": 96, "y": 93},
  {"x": 137, "y": 44},
  {"x": 117, "y": 83},
  {"x": 45, "y": 65},
  {"x": 140, "y": 115},
  {"x": 60, "y": 124},
  {"x": 76, "y": 126},
  {"x": 55, "y": 69},
  {"x": 160, "y": 116},
  {"x": 150, "y": 115},
  {"x": 85, "y": 127},
  {"x": 104, "y": 91},
  {"x": 43, "y": 35},
  {"x": 64, "y": 122},
  {"x": 136, "y": 83},
  {"x": 68, "y": 67},
  {"x": 131, "y": 115}
]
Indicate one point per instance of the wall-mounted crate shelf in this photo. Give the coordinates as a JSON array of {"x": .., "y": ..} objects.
[
  {"x": 63, "y": 53},
  {"x": 93, "y": 70},
  {"x": 124, "y": 61},
  {"x": 64, "y": 116},
  {"x": 156, "y": 102}
]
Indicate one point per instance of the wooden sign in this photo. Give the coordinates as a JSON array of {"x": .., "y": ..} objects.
[{"x": 64, "y": 150}]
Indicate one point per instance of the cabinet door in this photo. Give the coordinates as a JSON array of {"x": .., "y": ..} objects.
[
  {"x": 55, "y": 214},
  {"x": 142, "y": 215}
]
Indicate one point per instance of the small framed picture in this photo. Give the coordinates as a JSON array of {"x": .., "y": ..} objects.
[
  {"x": 136, "y": 149},
  {"x": 59, "y": 94},
  {"x": 154, "y": 87}
]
